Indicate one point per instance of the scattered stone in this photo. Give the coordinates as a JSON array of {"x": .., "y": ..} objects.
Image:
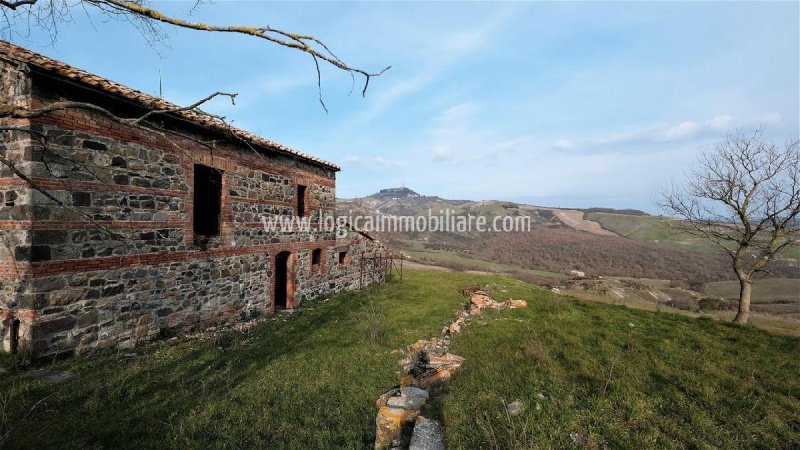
[
  {"x": 383, "y": 399},
  {"x": 515, "y": 408},
  {"x": 435, "y": 346},
  {"x": 406, "y": 402},
  {"x": 427, "y": 435},
  {"x": 391, "y": 425},
  {"x": 447, "y": 361},
  {"x": 127, "y": 344},
  {"x": 481, "y": 300},
  {"x": 540, "y": 395},
  {"x": 456, "y": 326},
  {"x": 578, "y": 439},
  {"x": 434, "y": 378},
  {"x": 411, "y": 391},
  {"x": 514, "y": 304},
  {"x": 426, "y": 364},
  {"x": 538, "y": 406}
]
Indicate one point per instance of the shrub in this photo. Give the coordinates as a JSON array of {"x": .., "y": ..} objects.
[{"x": 713, "y": 304}]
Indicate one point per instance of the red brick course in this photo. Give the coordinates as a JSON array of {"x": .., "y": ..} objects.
[{"x": 44, "y": 269}]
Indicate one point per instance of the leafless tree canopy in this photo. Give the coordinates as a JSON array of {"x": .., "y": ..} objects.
[
  {"x": 50, "y": 14},
  {"x": 744, "y": 196}
]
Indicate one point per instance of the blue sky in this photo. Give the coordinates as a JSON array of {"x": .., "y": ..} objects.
[{"x": 557, "y": 104}]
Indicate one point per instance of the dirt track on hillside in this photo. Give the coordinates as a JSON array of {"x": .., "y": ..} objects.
[{"x": 574, "y": 219}]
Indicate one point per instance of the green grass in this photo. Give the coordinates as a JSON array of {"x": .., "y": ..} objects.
[
  {"x": 306, "y": 381},
  {"x": 792, "y": 252},
  {"x": 764, "y": 291},
  {"x": 621, "y": 378},
  {"x": 655, "y": 229},
  {"x": 446, "y": 257},
  {"x": 651, "y": 229},
  {"x": 310, "y": 380}
]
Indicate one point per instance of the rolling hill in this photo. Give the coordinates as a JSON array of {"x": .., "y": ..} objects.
[{"x": 599, "y": 242}]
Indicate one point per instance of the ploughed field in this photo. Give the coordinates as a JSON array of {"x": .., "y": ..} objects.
[{"x": 584, "y": 373}]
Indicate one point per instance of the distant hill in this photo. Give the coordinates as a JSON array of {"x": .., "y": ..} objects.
[
  {"x": 629, "y": 212},
  {"x": 403, "y": 201},
  {"x": 598, "y": 241},
  {"x": 401, "y": 192}
]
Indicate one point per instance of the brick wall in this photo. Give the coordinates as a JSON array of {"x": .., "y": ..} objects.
[{"x": 115, "y": 260}]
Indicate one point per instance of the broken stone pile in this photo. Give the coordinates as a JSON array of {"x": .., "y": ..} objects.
[{"x": 426, "y": 364}]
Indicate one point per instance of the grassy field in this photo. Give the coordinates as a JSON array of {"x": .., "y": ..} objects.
[
  {"x": 654, "y": 229},
  {"x": 310, "y": 379},
  {"x": 764, "y": 291},
  {"x": 614, "y": 377},
  {"x": 446, "y": 258},
  {"x": 785, "y": 323},
  {"x": 650, "y": 229}
]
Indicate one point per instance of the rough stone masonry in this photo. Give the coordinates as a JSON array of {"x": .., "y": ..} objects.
[{"x": 155, "y": 230}]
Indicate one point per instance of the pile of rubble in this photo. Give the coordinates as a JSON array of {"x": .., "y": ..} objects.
[{"x": 426, "y": 364}]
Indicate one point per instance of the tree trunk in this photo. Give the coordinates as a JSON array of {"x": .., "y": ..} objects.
[{"x": 744, "y": 301}]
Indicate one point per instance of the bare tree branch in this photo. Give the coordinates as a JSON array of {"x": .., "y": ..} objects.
[
  {"x": 17, "y": 4},
  {"x": 145, "y": 18}
]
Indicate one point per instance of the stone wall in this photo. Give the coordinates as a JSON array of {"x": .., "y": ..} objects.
[
  {"x": 112, "y": 259},
  {"x": 16, "y": 211}
]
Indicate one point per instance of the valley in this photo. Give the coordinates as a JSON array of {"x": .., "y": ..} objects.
[{"x": 625, "y": 256}]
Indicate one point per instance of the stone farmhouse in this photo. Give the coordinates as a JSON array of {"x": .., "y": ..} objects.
[{"x": 145, "y": 231}]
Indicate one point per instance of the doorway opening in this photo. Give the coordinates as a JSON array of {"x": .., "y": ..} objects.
[
  {"x": 282, "y": 284},
  {"x": 14, "y": 335}
]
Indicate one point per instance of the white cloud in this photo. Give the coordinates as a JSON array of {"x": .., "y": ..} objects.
[
  {"x": 445, "y": 51},
  {"x": 722, "y": 122},
  {"x": 442, "y": 153},
  {"x": 456, "y": 136},
  {"x": 379, "y": 162},
  {"x": 674, "y": 133},
  {"x": 683, "y": 131},
  {"x": 563, "y": 144},
  {"x": 383, "y": 163},
  {"x": 769, "y": 119}
]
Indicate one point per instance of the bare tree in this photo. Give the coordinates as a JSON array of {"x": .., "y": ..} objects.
[
  {"x": 744, "y": 196},
  {"x": 49, "y": 14}
]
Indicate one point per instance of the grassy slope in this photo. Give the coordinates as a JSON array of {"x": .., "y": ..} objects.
[
  {"x": 417, "y": 250},
  {"x": 768, "y": 290},
  {"x": 653, "y": 229},
  {"x": 650, "y": 229},
  {"x": 307, "y": 382},
  {"x": 666, "y": 382},
  {"x": 311, "y": 381}
]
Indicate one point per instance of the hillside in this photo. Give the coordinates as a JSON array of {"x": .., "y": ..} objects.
[
  {"x": 597, "y": 241},
  {"x": 404, "y": 201},
  {"x": 606, "y": 376}
]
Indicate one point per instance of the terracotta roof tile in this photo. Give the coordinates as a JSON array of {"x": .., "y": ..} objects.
[{"x": 16, "y": 53}]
